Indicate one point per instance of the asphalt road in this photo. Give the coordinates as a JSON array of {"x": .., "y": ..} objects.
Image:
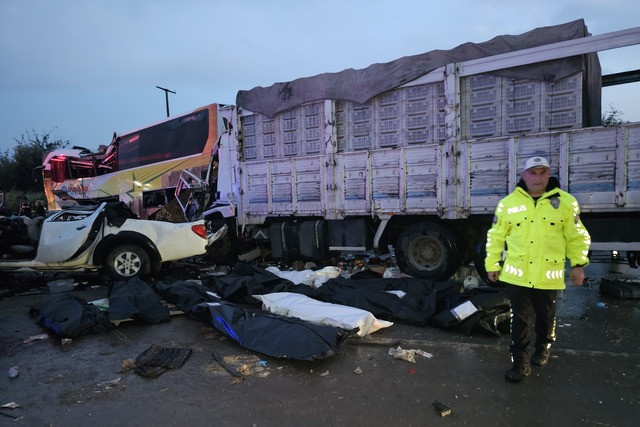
[{"x": 591, "y": 380}]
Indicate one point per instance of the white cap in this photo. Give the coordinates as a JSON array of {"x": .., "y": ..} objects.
[{"x": 536, "y": 162}]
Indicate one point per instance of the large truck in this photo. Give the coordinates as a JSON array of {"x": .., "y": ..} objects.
[{"x": 413, "y": 155}]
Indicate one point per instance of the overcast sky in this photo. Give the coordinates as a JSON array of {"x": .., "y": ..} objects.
[{"x": 81, "y": 70}]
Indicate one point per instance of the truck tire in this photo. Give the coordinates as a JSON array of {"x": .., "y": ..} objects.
[
  {"x": 428, "y": 250},
  {"x": 127, "y": 261},
  {"x": 480, "y": 253}
]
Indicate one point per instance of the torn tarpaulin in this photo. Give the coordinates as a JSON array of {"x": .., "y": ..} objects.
[
  {"x": 274, "y": 335},
  {"x": 156, "y": 360}
]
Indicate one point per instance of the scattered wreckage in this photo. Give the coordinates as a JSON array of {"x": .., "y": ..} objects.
[{"x": 105, "y": 236}]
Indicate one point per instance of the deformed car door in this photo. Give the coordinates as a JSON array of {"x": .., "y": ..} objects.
[{"x": 64, "y": 233}]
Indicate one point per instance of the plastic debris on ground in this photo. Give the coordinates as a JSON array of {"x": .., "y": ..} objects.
[
  {"x": 110, "y": 383},
  {"x": 13, "y": 372},
  {"x": 357, "y": 371},
  {"x": 10, "y": 405},
  {"x": 408, "y": 355},
  {"x": 35, "y": 338}
]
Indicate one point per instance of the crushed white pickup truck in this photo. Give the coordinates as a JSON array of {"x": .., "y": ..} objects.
[{"x": 105, "y": 236}]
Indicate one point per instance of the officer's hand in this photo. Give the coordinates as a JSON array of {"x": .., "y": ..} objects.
[
  {"x": 492, "y": 276},
  {"x": 577, "y": 276}
]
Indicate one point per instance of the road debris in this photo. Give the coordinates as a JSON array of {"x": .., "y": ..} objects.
[
  {"x": 408, "y": 355},
  {"x": 155, "y": 360},
  {"x": 110, "y": 383},
  {"x": 127, "y": 365},
  {"x": 13, "y": 372},
  {"x": 244, "y": 366},
  {"x": 442, "y": 409},
  {"x": 35, "y": 338},
  {"x": 10, "y": 405}
]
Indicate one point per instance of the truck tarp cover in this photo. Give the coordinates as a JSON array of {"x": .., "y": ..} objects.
[{"x": 361, "y": 85}]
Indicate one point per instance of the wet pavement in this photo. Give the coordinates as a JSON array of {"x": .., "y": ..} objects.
[{"x": 592, "y": 379}]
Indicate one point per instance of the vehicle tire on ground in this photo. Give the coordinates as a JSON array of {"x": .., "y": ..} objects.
[
  {"x": 428, "y": 250},
  {"x": 127, "y": 261}
]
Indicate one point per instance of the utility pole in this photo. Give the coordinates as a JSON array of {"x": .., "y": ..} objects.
[{"x": 166, "y": 96}]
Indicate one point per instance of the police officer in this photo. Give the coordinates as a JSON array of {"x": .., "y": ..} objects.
[{"x": 540, "y": 225}]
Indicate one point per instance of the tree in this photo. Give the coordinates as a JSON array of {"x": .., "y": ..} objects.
[
  {"x": 612, "y": 117},
  {"x": 18, "y": 170}
]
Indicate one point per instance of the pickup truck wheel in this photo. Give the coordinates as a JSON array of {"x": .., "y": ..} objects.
[
  {"x": 127, "y": 261},
  {"x": 428, "y": 251}
]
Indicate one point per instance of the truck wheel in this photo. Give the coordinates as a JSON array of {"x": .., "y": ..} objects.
[
  {"x": 127, "y": 261},
  {"x": 478, "y": 260},
  {"x": 428, "y": 251}
]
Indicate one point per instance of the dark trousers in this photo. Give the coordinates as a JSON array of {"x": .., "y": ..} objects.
[{"x": 531, "y": 307}]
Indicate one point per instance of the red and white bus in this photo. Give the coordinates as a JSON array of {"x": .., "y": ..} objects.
[{"x": 140, "y": 168}]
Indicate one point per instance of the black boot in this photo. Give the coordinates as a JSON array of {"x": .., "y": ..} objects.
[
  {"x": 517, "y": 372},
  {"x": 540, "y": 357}
]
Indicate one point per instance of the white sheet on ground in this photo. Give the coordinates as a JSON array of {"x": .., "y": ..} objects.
[
  {"x": 307, "y": 277},
  {"x": 305, "y": 308}
]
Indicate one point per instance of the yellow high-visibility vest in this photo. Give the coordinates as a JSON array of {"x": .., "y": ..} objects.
[{"x": 539, "y": 236}]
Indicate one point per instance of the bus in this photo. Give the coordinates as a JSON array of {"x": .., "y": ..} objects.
[{"x": 141, "y": 168}]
